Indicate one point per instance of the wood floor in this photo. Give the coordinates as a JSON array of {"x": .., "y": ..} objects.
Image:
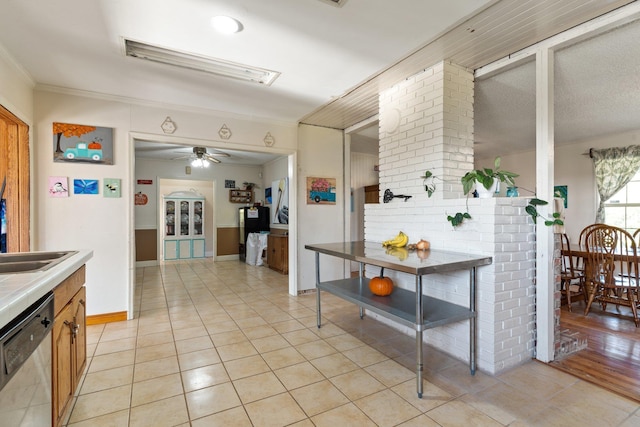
[{"x": 612, "y": 357}]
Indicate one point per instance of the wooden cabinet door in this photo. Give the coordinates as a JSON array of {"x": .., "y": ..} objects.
[
  {"x": 14, "y": 165},
  {"x": 62, "y": 370},
  {"x": 80, "y": 340}
]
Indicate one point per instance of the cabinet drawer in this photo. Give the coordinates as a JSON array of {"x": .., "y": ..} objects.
[{"x": 64, "y": 292}]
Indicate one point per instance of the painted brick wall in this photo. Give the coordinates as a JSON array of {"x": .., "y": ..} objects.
[{"x": 426, "y": 122}]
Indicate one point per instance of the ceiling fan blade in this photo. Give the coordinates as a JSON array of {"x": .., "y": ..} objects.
[
  {"x": 218, "y": 154},
  {"x": 211, "y": 158}
]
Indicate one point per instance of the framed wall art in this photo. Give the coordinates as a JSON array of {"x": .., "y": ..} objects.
[
  {"x": 73, "y": 143},
  {"x": 562, "y": 192},
  {"x": 321, "y": 191},
  {"x": 111, "y": 187},
  {"x": 85, "y": 186},
  {"x": 58, "y": 186},
  {"x": 281, "y": 200}
]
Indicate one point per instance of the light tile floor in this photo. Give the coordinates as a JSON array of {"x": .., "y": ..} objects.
[{"x": 223, "y": 344}]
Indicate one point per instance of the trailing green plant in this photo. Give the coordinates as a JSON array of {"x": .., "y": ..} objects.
[
  {"x": 486, "y": 177},
  {"x": 429, "y": 184},
  {"x": 532, "y": 210}
]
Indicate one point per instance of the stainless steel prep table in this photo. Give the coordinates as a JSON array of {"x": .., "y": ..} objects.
[{"x": 404, "y": 306}]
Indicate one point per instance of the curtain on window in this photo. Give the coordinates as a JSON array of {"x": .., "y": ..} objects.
[{"x": 614, "y": 168}]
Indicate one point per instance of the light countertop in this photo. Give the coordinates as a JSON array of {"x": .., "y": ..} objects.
[{"x": 19, "y": 291}]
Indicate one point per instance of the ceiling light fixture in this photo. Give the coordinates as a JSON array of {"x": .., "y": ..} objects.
[
  {"x": 209, "y": 65},
  {"x": 226, "y": 24},
  {"x": 200, "y": 163}
]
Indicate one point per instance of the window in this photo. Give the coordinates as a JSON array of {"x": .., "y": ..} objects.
[{"x": 623, "y": 208}]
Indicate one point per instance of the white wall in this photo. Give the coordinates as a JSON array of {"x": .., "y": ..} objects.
[
  {"x": 226, "y": 213},
  {"x": 16, "y": 88},
  {"x": 362, "y": 174},
  {"x": 573, "y": 169},
  {"x": 106, "y": 224},
  {"x": 320, "y": 155},
  {"x": 85, "y": 221}
]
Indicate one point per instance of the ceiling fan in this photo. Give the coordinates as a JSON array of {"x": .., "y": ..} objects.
[{"x": 200, "y": 157}]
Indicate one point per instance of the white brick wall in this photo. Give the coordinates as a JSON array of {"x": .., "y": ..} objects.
[{"x": 436, "y": 133}]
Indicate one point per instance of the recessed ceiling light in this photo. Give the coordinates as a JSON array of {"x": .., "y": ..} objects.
[{"x": 226, "y": 24}]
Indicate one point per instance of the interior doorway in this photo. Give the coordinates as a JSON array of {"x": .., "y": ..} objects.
[{"x": 143, "y": 171}]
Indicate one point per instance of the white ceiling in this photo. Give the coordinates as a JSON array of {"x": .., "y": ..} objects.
[
  {"x": 597, "y": 93},
  {"x": 320, "y": 49},
  {"x": 325, "y": 53}
]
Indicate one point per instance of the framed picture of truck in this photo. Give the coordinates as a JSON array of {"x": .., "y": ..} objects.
[
  {"x": 74, "y": 143},
  {"x": 321, "y": 191}
]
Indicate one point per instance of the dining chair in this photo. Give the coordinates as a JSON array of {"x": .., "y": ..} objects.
[
  {"x": 612, "y": 269},
  {"x": 580, "y": 263},
  {"x": 572, "y": 281}
]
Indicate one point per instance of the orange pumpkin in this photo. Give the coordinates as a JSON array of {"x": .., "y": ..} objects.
[
  {"x": 381, "y": 285},
  {"x": 95, "y": 145}
]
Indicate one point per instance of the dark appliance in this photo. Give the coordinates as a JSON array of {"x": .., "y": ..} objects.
[{"x": 252, "y": 220}]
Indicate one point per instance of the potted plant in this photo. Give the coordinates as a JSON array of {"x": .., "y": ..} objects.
[
  {"x": 488, "y": 178},
  {"x": 249, "y": 186}
]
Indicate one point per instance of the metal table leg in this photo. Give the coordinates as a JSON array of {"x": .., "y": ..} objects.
[
  {"x": 472, "y": 322},
  {"x": 419, "y": 361},
  {"x": 317, "y": 288},
  {"x": 361, "y": 276}
]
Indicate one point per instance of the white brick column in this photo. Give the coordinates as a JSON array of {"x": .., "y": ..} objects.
[{"x": 426, "y": 122}]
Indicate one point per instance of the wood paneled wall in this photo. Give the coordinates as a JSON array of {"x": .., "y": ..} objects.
[
  {"x": 228, "y": 241},
  {"x": 146, "y": 245}
]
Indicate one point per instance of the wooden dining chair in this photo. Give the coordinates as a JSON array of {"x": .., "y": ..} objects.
[
  {"x": 572, "y": 281},
  {"x": 580, "y": 263},
  {"x": 612, "y": 269}
]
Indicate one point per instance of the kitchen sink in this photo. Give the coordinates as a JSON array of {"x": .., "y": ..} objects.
[{"x": 31, "y": 262}]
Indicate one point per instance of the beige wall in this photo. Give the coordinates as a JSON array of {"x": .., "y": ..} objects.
[
  {"x": 573, "y": 169},
  {"x": 106, "y": 225}
]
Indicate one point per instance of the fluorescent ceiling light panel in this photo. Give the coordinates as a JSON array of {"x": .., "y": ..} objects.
[{"x": 209, "y": 65}]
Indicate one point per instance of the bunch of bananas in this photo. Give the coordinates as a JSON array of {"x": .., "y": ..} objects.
[
  {"x": 400, "y": 241},
  {"x": 400, "y": 253}
]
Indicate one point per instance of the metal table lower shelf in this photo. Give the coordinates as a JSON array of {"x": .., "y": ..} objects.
[{"x": 408, "y": 307}]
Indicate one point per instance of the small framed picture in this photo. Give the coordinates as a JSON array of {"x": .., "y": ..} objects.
[
  {"x": 111, "y": 187},
  {"x": 58, "y": 186},
  {"x": 85, "y": 186}
]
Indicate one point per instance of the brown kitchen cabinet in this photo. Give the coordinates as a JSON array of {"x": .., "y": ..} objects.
[
  {"x": 69, "y": 347},
  {"x": 278, "y": 252},
  {"x": 372, "y": 194}
]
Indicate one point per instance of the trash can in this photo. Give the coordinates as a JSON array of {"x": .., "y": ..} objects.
[{"x": 256, "y": 243}]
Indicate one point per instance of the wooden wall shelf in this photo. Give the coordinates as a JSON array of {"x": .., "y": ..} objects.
[{"x": 241, "y": 196}]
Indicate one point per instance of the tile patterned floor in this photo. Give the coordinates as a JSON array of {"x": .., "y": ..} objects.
[{"x": 223, "y": 344}]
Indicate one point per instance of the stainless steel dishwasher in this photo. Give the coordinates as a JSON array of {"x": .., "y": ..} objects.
[{"x": 25, "y": 357}]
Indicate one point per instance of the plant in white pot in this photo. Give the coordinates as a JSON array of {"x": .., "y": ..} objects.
[{"x": 488, "y": 179}]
